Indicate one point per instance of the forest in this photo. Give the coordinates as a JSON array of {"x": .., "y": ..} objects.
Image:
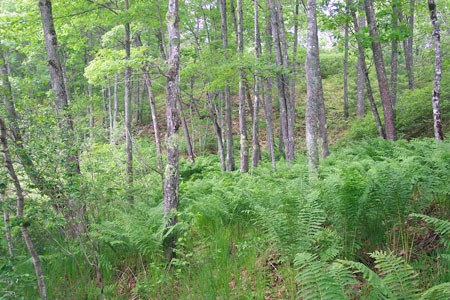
[{"x": 224, "y": 149}]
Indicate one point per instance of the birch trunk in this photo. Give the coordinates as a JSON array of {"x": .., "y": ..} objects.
[
  {"x": 242, "y": 122},
  {"x": 438, "y": 71},
  {"x": 171, "y": 184}
]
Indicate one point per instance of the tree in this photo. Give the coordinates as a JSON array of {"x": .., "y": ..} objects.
[
  {"x": 171, "y": 182},
  {"x": 255, "y": 141},
  {"x": 438, "y": 71},
  {"x": 388, "y": 110}
]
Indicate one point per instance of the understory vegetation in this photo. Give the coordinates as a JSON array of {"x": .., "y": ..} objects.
[{"x": 374, "y": 226}]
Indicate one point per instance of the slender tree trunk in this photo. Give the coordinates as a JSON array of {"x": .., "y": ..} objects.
[
  {"x": 151, "y": 99},
  {"x": 228, "y": 111},
  {"x": 127, "y": 101},
  {"x": 66, "y": 78},
  {"x": 116, "y": 99},
  {"x": 187, "y": 137},
  {"x": 346, "y": 70},
  {"x": 255, "y": 142},
  {"x": 171, "y": 184},
  {"x": 233, "y": 17},
  {"x": 90, "y": 86},
  {"x": 294, "y": 60},
  {"x": 438, "y": 71},
  {"x": 361, "y": 75},
  {"x": 408, "y": 46},
  {"x": 58, "y": 85},
  {"x": 110, "y": 112},
  {"x": 7, "y": 222},
  {"x": 217, "y": 129},
  {"x": 365, "y": 72},
  {"x": 268, "y": 108},
  {"x": 280, "y": 81},
  {"x": 290, "y": 145},
  {"x": 388, "y": 111},
  {"x": 242, "y": 121},
  {"x": 314, "y": 87},
  {"x": 137, "y": 100},
  {"x": 20, "y": 205},
  {"x": 394, "y": 55},
  {"x": 105, "y": 108}
]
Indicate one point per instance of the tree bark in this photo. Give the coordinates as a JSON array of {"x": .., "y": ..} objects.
[
  {"x": 283, "y": 98},
  {"x": 171, "y": 184},
  {"x": 294, "y": 60},
  {"x": 408, "y": 46},
  {"x": 58, "y": 85},
  {"x": 110, "y": 113},
  {"x": 438, "y": 71},
  {"x": 314, "y": 87},
  {"x": 20, "y": 205},
  {"x": 7, "y": 222},
  {"x": 388, "y": 111},
  {"x": 268, "y": 108},
  {"x": 394, "y": 54},
  {"x": 255, "y": 142},
  {"x": 151, "y": 99},
  {"x": 137, "y": 99},
  {"x": 116, "y": 103},
  {"x": 217, "y": 129},
  {"x": 365, "y": 72},
  {"x": 346, "y": 70},
  {"x": 128, "y": 118},
  {"x": 242, "y": 122},
  {"x": 187, "y": 137},
  {"x": 228, "y": 111},
  {"x": 361, "y": 75},
  {"x": 90, "y": 86},
  {"x": 233, "y": 17}
]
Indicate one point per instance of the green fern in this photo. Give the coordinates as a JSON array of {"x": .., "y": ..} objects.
[
  {"x": 316, "y": 281},
  {"x": 442, "y": 227},
  {"x": 397, "y": 274},
  {"x": 437, "y": 292}
]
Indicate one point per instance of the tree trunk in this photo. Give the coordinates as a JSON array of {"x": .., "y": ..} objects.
[
  {"x": 280, "y": 81},
  {"x": 7, "y": 222},
  {"x": 268, "y": 108},
  {"x": 294, "y": 60},
  {"x": 242, "y": 122},
  {"x": 90, "y": 87},
  {"x": 408, "y": 47},
  {"x": 228, "y": 111},
  {"x": 255, "y": 142},
  {"x": 58, "y": 86},
  {"x": 127, "y": 102},
  {"x": 20, "y": 204},
  {"x": 233, "y": 17},
  {"x": 171, "y": 183},
  {"x": 116, "y": 100},
  {"x": 187, "y": 137},
  {"x": 313, "y": 86},
  {"x": 361, "y": 75},
  {"x": 217, "y": 129},
  {"x": 151, "y": 99},
  {"x": 137, "y": 100},
  {"x": 105, "y": 108},
  {"x": 438, "y": 71},
  {"x": 365, "y": 72},
  {"x": 110, "y": 113},
  {"x": 346, "y": 70},
  {"x": 388, "y": 111},
  {"x": 394, "y": 55}
]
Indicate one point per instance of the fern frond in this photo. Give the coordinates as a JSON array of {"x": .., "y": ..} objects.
[
  {"x": 397, "y": 274},
  {"x": 315, "y": 279},
  {"x": 437, "y": 292},
  {"x": 442, "y": 227}
]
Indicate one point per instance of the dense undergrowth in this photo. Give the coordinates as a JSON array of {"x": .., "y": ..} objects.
[{"x": 271, "y": 235}]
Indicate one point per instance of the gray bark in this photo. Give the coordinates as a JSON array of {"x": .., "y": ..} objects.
[
  {"x": 268, "y": 108},
  {"x": 242, "y": 122},
  {"x": 7, "y": 223},
  {"x": 233, "y": 17},
  {"x": 438, "y": 71},
  {"x": 58, "y": 85},
  {"x": 346, "y": 70},
  {"x": 313, "y": 84},
  {"x": 255, "y": 142},
  {"x": 388, "y": 111},
  {"x": 394, "y": 55},
  {"x": 361, "y": 75},
  {"x": 217, "y": 129},
  {"x": 187, "y": 137},
  {"x": 365, "y": 72},
  {"x": 171, "y": 184},
  {"x": 408, "y": 46},
  {"x": 128, "y": 118},
  {"x": 294, "y": 60},
  {"x": 20, "y": 204},
  {"x": 90, "y": 86},
  {"x": 228, "y": 112},
  {"x": 137, "y": 99},
  {"x": 110, "y": 113}
]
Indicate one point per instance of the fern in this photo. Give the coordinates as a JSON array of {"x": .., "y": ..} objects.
[
  {"x": 442, "y": 227},
  {"x": 437, "y": 292},
  {"x": 315, "y": 279},
  {"x": 397, "y": 274}
]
